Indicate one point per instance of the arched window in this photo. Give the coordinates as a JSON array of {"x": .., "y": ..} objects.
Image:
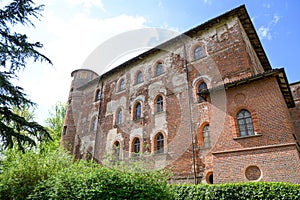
[
  {"x": 210, "y": 178},
  {"x": 206, "y": 136},
  {"x": 159, "y": 69},
  {"x": 245, "y": 124},
  {"x": 136, "y": 146},
  {"x": 202, "y": 92},
  {"x": 139, "y": 77},
  {"x": 98, "y": 95},
  {"x": 160, "y": 143},
  {"x": 159, "y": 104},
  {"x": 198, "y": 52},
  {"x": 138, "y": 111},
  {"x": 122, "y": 85},
  {"x": 119, "y": 117},
  {"x": 116, "y": 150}
]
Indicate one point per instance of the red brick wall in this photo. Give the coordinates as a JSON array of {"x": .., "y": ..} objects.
[
  {"x": 273, "y": 126},
  {"x": 228, "y": 57},
  {"x": 278, "y": 164}
]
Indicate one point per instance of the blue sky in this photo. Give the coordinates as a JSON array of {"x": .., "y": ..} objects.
[{"x": 71, "y": 29}]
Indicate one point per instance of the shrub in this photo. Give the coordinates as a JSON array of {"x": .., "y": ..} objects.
[
  {"x": 240, "y": 191},
  {"x": 55, "y": 175},
  {"x": 80, "y": 181},
  {"x": 22, "y": 171}
]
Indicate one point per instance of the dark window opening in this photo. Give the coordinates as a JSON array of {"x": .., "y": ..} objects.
[
  {"x": 119, "y": 117},
  {"x": 136, "y": 147},
  {"x": 245, "y": 124},
  {"x": 138, "y": 111},
  {"x": 139, "y": 77},
  {"x": 160, "y": 143},
  {"x": 159, "y": 104},
  {"x": 122, "y": 85},
  {"x": 210, "y": 178},
  {"x": 65, "y": 130},
  {"x": 198, "y": 52},
  {"x": 202, "y": 92},
  {"x": 159, "y": 69},
  {"x": 116, "y": 150}
]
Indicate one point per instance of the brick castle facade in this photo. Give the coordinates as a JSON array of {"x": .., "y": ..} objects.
[{"x": 211, "y": 109}]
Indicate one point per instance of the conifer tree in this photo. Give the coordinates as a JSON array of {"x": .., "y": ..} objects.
[{"x": 16, "y": 51}]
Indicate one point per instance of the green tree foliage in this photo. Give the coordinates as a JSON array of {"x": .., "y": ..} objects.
[
  {"x": 21, "y": 172},
  {"x": 15, "y": 52},
  {"x": 55, "y": 122},
  {"x": 55, "y": 175}
]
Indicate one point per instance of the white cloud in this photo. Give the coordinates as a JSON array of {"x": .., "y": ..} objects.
[
  {"x": 264, "y": 32},
  {"x": 275, "y": 19},
  {"x": 68, "y": 41},
  {"x": 88, "y": 4}
]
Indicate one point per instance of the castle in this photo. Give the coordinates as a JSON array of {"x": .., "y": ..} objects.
[{"x": 211, "y": 109}]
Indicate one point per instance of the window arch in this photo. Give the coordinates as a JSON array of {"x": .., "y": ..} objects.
[
  {"x": 121, "y": 84},
  {"x": 136, "y": 146},
  {"x": 206, "y": 136},
  {"x": 139, "y": 77},
  {"x": 97, "y": 95},
  {"x": 137, "y": 111},
  {"x": 158, "y": 69},
  {"x": 159, "y": 143},
  {"x": 119, "y": 119},
  {"x": 198, "y": 52},
  {"x": 202, "y": 92},
  {"x": 159, "y": 103},
  {"x": 245, "y": 124},
  {"x": 210, "y": 178}
]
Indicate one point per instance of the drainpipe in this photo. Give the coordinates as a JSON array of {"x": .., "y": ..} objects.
[
  {"x": 190, "y": 110},
  {"x": 99, "y": 117}
]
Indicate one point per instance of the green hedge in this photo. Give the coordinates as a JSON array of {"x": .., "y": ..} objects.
[
  {"x": 55, "y": 175},
  {"x": 240, "y": 191},
  {"x": 95, "y": 182}
]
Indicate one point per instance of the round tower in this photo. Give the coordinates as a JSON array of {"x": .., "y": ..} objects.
[{"x": 68, "y": 139}]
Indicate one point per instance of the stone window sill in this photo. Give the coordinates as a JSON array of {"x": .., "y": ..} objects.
[
  {"x": 120, "y": 91},
  {"x": 157, "y": 75},
  {"x": 248, "y": 136},
  {"x": 196, "y": 59},
  {"x": 138, "y": 120},
  {"x": 160, "y": 113}
]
